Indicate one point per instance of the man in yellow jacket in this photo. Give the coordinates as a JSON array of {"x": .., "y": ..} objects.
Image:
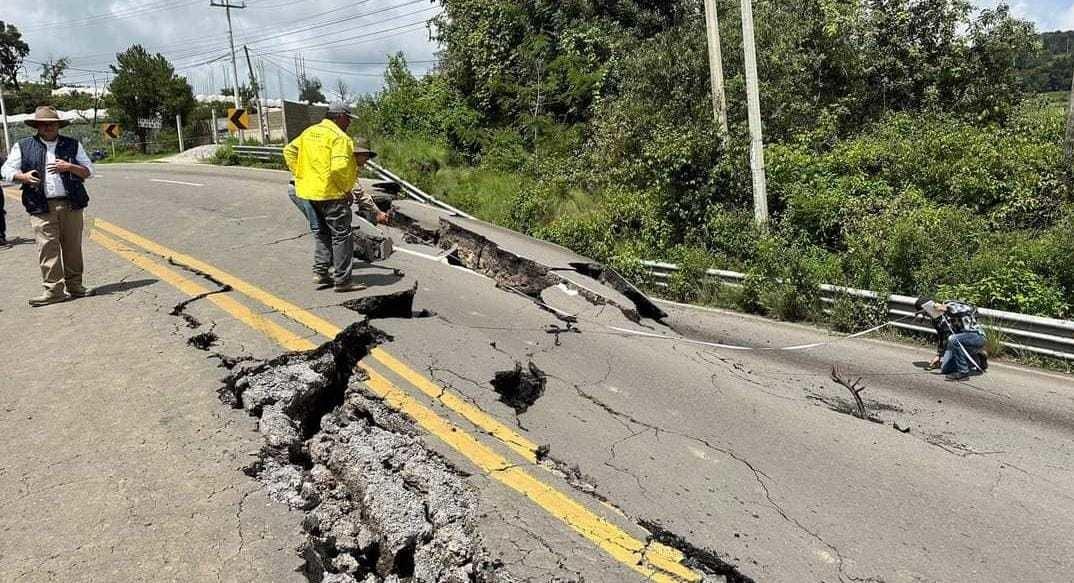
[{"x": 322, "y": 162}]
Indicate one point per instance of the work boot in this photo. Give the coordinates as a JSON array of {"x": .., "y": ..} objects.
[
  {"x": 982, "y": 360},
  {"x": 958, "y": 376},
  {"x": 48, "y": 299},
  {"x": 349, "y": 287},
  {"x": 4, "y": 244},
  {"x": 322, "y": 279}
]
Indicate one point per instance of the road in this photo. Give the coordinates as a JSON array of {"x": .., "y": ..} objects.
[{"x": 744, "y": 463}]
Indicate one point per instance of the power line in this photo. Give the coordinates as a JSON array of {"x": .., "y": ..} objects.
[
  {"x": 96, "y": 19},
  {"x": 204, "y": 47},
  {"x": 323, "y": 45}
]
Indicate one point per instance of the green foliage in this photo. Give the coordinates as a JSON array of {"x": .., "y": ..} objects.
[
  {"x": 852, "y": 314},
  {"x": 901, "y": 155},
  {"x": 309, "y": 90},
  {"x": 1013, "y": 288},
  {"x": 784, "y": 278},
  {"x": 691, "y": 281},
  {"x": 1049, "y": 70},
  {"x": 52, "y": 71},
  {"x": 225, "y": 155},
  {"x": 146, "y": 86},
  {"x": 13, "y": 50}
]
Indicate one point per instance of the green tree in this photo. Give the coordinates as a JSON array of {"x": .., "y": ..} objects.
[
  {"x": 52, "y": 70},
  {"x": 309, "y": 90},
  {"x": 247, "y": 96},
  {"x": 13, "y": 51},
  {"x": 28, "y": 96},
  {"x": 146, "y": 86}
]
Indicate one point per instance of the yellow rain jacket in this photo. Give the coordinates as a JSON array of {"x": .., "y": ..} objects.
[{"x": 322, "y": 162}]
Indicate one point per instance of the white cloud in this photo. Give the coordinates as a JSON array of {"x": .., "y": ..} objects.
[{"x": 190, "y": 33}]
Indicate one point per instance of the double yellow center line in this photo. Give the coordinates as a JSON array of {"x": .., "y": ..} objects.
[{"x": 654, "y": 561}]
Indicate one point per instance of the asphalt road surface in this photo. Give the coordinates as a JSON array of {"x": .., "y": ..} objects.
[{"x": 649, "y": 454}]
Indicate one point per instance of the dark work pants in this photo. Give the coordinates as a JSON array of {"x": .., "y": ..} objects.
[{"x": 334, "y": 240}]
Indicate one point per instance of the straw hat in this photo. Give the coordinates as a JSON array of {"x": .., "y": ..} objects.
[{"x": 47, "y": 113}]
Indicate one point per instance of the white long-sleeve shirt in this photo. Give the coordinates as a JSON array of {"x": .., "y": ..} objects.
[{"x": 54, "y": 187}]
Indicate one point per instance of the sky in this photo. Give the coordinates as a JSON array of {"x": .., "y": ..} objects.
[
  {"x": 340, "y": 40},
  {"x": 347, "y": 40}
]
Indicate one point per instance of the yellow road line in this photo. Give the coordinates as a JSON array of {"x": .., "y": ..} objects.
[
  {"x": 524, "y": 447},
  {"x": 652, "y": 560},
  {"x": 487, "y": 423},
  {"x": 277, "y": 333}
]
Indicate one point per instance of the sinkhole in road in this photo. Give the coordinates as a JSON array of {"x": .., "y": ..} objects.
[
  {"x": 379, "y": 506},
  {"x": 520, "y": 387}
]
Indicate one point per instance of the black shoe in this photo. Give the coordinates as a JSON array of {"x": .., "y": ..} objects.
[
  {"x": 4, "y": 243},
  {"x": 958, "y": 376},
  {"x": 349, "y": 287},
  {"x": 81, "y": 292},
  {"x": 982, "y": 361}
]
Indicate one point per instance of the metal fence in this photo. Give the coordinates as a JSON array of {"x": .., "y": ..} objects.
[{"x": 1044, "y": 336}]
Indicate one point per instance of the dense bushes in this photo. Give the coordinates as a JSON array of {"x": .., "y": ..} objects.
[{"x": 900, "y": 155}]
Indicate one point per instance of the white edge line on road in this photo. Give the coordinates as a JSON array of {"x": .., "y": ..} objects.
[
  {"x": 175, "y": 182},
  {"x": 806, "y": 327},
  {"x": 441, "y": 260}
]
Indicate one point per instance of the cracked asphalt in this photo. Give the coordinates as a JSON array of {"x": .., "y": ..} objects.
[{"x": 117, "y": 461}]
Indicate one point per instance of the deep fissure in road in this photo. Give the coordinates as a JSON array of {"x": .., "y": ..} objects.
[
  {"x": 703, "y": 560},
  {"x": 379, "y": 505},
  {"x": 398, "y": 304}
]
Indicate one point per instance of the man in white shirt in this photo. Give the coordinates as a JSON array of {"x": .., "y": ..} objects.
[{"x": 51, "y": 169}]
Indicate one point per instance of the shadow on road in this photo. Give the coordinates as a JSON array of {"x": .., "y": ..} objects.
[
  {"x": 123, "y": 286},
  {"x": 15, "y": 242}
]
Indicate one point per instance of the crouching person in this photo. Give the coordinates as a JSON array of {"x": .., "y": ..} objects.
[{"x": 961, "y": 339}]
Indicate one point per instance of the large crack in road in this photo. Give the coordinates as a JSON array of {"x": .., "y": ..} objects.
[{"x": 379, "y": 506}]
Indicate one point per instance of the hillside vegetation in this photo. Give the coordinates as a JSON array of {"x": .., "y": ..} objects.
[{"x": 906, "y": 147}]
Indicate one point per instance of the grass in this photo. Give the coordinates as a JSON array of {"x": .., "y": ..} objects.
[
  {"x": 1057, "y": 97},
  {"x": 483, "y": 192},
  {"x": 122, "y": 157}
]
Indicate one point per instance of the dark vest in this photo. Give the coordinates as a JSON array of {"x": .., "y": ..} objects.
[{"x": 34, "y": 152}]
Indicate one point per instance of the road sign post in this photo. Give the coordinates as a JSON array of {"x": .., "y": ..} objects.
[{"x": 111, "y": 132}]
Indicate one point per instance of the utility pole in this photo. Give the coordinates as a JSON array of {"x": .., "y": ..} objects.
[
  {"x": 3, "y": 115},
  {"x": 262, "y": 88},
  {"x": 1070, "y": 133},
  {"x": 760, "y": 187},
  {"x": 227, "y": 6},
  {"x": 283, "y": 105},
  {"x": 719, "y": 99},
  {"x": 261, "y": 117}
]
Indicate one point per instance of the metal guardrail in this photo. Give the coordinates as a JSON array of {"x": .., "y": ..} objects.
[
  {"x": 271, "y": 153},
  {"x": 1044, "y": 336},
  {"x": 265, "y": 153}
]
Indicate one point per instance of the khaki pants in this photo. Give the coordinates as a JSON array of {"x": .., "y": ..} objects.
[{"x": 59, "y": 239}]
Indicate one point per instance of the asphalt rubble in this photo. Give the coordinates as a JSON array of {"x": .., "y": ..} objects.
[{"x": 379, "y": 506}]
